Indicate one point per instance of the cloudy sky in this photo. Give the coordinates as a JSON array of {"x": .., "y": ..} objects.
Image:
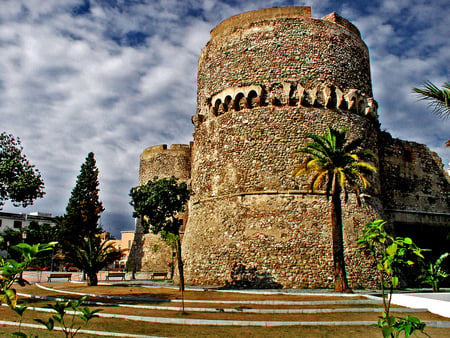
[{"x": 116, "y": 76}]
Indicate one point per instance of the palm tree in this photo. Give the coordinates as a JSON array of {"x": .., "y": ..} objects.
[
  {"x": 91, "y": 255},
  {"x": 340, "y": 165},
  {"x": 439, "y": 99}
]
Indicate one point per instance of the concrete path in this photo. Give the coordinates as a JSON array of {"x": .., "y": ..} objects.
[{"x": 190, "y": 321}]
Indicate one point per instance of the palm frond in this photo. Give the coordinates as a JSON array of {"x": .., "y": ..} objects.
[
  {"x": 367, "y": 155},
  {"x": 353, "y": 145},
  {"x": 320, "y": 143},
  {"x": 364, "y": 165},
  {"x": 333, "y": 155},
  {"x": 317, "y": 180},
  {"x": 439, "y": 99}
]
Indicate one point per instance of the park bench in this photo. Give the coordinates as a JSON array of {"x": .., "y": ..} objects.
[
  {"x": 59, "y": 275},
  {"x": 154, "y": 275},
  {"x": 115, "y": 274}
]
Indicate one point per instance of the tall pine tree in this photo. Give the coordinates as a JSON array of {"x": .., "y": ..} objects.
[
  {"x": 79, "y": 232},
  {"x": 83, "y": 211}
]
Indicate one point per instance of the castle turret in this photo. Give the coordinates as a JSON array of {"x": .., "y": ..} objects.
[
  {"x": 149, "y": 251},
  {"x": 265, "y": 80}
]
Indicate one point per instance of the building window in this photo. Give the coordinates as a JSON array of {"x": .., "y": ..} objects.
[{"x": 17, "y": 224}]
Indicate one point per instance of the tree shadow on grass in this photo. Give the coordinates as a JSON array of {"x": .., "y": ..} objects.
[{"x": 244, "y": 277}]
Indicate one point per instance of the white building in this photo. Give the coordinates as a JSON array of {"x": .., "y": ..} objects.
[{"x": 20, "y": 221}]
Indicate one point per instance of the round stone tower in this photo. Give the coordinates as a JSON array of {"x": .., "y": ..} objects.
[
  {"x": 266, "y": 79},
  {"x": 149, "y": 252}
]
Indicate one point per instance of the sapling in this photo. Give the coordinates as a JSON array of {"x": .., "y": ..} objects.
[{"x": 391, "y": 255}]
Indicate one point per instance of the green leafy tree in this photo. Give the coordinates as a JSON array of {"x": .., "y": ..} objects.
[
  {"x": 339, "y": 164},
  {"x": 20, "y": 181},
  {"x": 40, "y": 232},
  {"x": 158, "y": 204},
  {"x": 391, "y": 255},
  {"x": 92, "y": 254},
  {"x": 11, "y": 237}
]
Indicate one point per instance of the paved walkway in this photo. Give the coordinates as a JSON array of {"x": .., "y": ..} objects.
[
  {"x": 168, "y": 320},
  {"x": 416, "y": 302}
]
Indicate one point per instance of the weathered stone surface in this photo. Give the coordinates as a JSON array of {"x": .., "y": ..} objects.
[
  {"x": 267, "y": 79},
  {"x": 149, "y": 252},
  {"x": 263, "y": 84}
]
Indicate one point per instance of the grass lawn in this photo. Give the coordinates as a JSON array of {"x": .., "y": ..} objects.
[{"x": 139, "y": 295}]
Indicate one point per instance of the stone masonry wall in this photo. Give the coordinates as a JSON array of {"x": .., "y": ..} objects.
[
  {"x": 269, "y": 51},
  {"x": 415, "y": 187},
  {"x": 256, "y": 161},
  {"x": 149, "y": 252},
  {"x": 266, "y": 79},
  {"x": 262, "y": 87},
  {"x": 413, "y": 177},
  {"x": 271, "y": 241}
]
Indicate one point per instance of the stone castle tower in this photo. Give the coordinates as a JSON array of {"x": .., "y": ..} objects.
[
  {"x": 265, "y": 80},
  {"x": 149, "y": 252}
]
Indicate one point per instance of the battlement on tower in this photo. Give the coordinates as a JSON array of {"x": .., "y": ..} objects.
[
  {"x": 155, "y": 161},
  {"x": 247, "y": 19}
]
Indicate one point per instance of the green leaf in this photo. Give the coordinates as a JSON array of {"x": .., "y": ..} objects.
[
  {"x": 408, "y": 240},
  {"x": 9, "y": 297},
  {"x": 50, "y": 324},
  {"x": 387, "y": 331},
  {"x": 20, "y": 309},
  {"x": 394, "y": 281},
  {"x": 391, "y": 320},
  {"x": 391, "y": 250}
]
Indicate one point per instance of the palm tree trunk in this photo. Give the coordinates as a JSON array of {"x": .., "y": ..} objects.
[
  {"x": 92, "y": 279},
  {"x": 340, "y": 276}
]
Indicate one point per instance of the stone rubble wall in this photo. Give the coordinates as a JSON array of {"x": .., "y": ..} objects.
[
  {"x": 266, "y": 79},
  {"x": 265, "y": 82},
  {"x": 300, "y": 49},
  {"x": 150, "y": 252},
  {"x": 415, "y": 187},
  {"x": 283, "y": 238},
  {"x": 251, "y": 153}
]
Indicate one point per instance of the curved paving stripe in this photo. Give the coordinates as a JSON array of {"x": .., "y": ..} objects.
[
  {"x": 225, "y": 322},
  {"x": 192, "y": 321},
  {"x": 252, "y": 302},
  {"x": 232, "y": 310},
  {"x": 98, "y": 333}
]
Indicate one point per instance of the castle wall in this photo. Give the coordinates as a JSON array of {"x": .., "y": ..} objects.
[
  {"x": 416, "y": 193},
  {"x": 267, "y": 79},
  {"x": 413, "y": 177},
  {"x": 273, "y": 240},
  {"x": 262, "y": 87}
]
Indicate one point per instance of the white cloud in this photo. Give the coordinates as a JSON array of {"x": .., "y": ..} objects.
[{"x": 70, "y": 84}]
